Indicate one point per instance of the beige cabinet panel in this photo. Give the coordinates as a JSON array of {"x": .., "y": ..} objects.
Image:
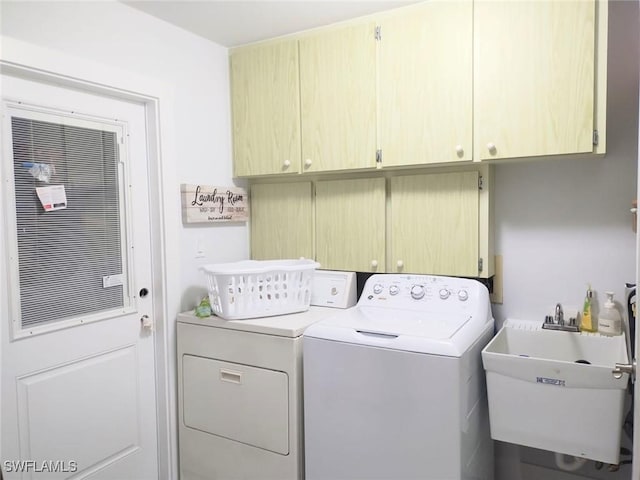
[
  {"x": 533, "y": 93},
  {"x": 265, "y": 99},
  {"x": 434, "y": 224},
  {"x": 338, "y": 98},
  {"x": 426, "y": 73},
  {"x": 350, "y": 224},
  {"x": 281, "y": 221}
]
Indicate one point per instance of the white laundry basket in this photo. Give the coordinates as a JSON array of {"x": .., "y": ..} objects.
[{"x": 259, "y": 288}]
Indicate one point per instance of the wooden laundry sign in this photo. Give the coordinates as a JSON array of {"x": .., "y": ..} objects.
[{"x": 209, "y": 204}]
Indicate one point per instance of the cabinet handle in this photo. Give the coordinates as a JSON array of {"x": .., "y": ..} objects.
[
  {"x": 307, "y": 163},
  {"x": 400, "y": 264},
  {"x": 286, "y": 164},
  {"x": 492, "y": 148},
  {"x": 374, "y": 264},
  {"x": 459, "y": 150}
]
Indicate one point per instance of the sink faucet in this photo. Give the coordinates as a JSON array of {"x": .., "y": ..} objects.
[
  {"x": 556, "y": 322},
  {"x": 559, "y": 315}
]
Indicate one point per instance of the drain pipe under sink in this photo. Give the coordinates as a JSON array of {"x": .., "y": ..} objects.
[{"x": 575, "y": 463}]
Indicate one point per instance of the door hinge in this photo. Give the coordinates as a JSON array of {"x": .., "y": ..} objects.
[
  {"x": 480, "y": 182},
  {"x": 378, "y": 156},
  {"x": 596, "y": 137},
  {"x": 480, "y": 265},
  {"x": 378, "y": 32}
]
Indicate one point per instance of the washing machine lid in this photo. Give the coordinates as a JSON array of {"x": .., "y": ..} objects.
[{"x": 397, "y": 329}]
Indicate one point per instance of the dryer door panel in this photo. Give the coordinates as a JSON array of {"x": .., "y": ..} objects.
[{"x": 238, "y": 402}]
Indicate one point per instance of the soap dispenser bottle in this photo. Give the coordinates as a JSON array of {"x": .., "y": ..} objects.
[{"x": 610, "y": 320}]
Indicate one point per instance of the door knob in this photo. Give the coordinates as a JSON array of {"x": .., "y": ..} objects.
[{"x": 622, "y": 368}]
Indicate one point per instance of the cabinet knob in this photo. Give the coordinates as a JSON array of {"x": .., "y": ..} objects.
[
  {"x": 286, "y": 164},
  {"x": 459, "y": 150},
  {"x": 307, "y": 163},
  {"x": 492, "y": 148},
  {"x": 400, "y": 264},
  {"x": 374, "y": 264}
]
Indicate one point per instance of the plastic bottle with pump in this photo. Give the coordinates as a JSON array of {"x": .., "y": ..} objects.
[
  {"x": 610, "y": 320},
  {"x": 587, "y": 322}
]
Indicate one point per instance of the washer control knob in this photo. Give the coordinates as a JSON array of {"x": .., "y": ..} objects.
[
  {"x": 444, "y": 293},
  {"x": 377, "y": 288},
  {"x": 394, "y": 290},
  {"x": 463, "y": 295},
  {"x": 417, "y": 292}
]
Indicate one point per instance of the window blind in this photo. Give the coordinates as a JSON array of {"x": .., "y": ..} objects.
[{"x": 63, "y": 255}]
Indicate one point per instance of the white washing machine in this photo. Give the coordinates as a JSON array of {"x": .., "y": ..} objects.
[
  {"x": 240, "y": 388},
  {"x": 394, "y": 388}
]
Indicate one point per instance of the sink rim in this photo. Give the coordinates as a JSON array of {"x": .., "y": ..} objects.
[{"x": 499, "y": 357}]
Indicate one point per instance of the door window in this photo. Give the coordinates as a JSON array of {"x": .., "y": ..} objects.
[{"x": 70, "y": 229}]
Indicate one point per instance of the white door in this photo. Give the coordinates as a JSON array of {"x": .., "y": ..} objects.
[{"x": 78, "y": 372}]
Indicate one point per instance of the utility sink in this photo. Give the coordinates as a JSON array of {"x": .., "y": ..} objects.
[{"x": 555, "y": 390}]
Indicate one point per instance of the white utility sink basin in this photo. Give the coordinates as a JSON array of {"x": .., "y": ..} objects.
[{"x": 555, "y": 390}]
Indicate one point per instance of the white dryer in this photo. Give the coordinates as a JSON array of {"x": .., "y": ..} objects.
[
  {"x": 394, "y": 388},
  {"x": 240, "y": 389}
]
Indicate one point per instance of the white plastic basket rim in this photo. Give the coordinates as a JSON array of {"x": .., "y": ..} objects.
[{"x": 253, "y": 267}]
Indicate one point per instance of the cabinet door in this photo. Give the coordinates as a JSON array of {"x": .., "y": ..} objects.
[
  {"x": 533, "y": 78},
  {"x": 434, "y": 224},
  {"x": 265, "y": 98},
  {"x": 338, "y": 98},
  {"x": 350, "y": 224},
  {"x": 426, "y": 73},
  {"x": 281, "y": 221}
]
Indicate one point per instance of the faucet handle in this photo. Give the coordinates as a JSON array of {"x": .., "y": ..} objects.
[
  {"x": 548, "y": 319},
  {"x": 559, "y": 314}
]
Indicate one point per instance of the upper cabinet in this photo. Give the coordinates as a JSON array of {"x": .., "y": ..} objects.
[
  {"x": 439, "y": 82},
  {"x": 281, "y": 221},
  {"x": 338, "y": 98},
  {"x": 435, "y": 224},
  {"x": 266, "y": 109},
  {"x": 534, "y": 78},
  {"x": 350, "y": 224},
  {"x": 426, "y": 84}
]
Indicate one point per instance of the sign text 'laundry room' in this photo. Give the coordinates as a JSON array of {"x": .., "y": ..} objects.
[{"x": 207, "y": 204}]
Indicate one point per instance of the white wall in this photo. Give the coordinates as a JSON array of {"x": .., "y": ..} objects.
[
  {"x": 122, "y": 42},
  {"x": 561, "y": 224}
]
